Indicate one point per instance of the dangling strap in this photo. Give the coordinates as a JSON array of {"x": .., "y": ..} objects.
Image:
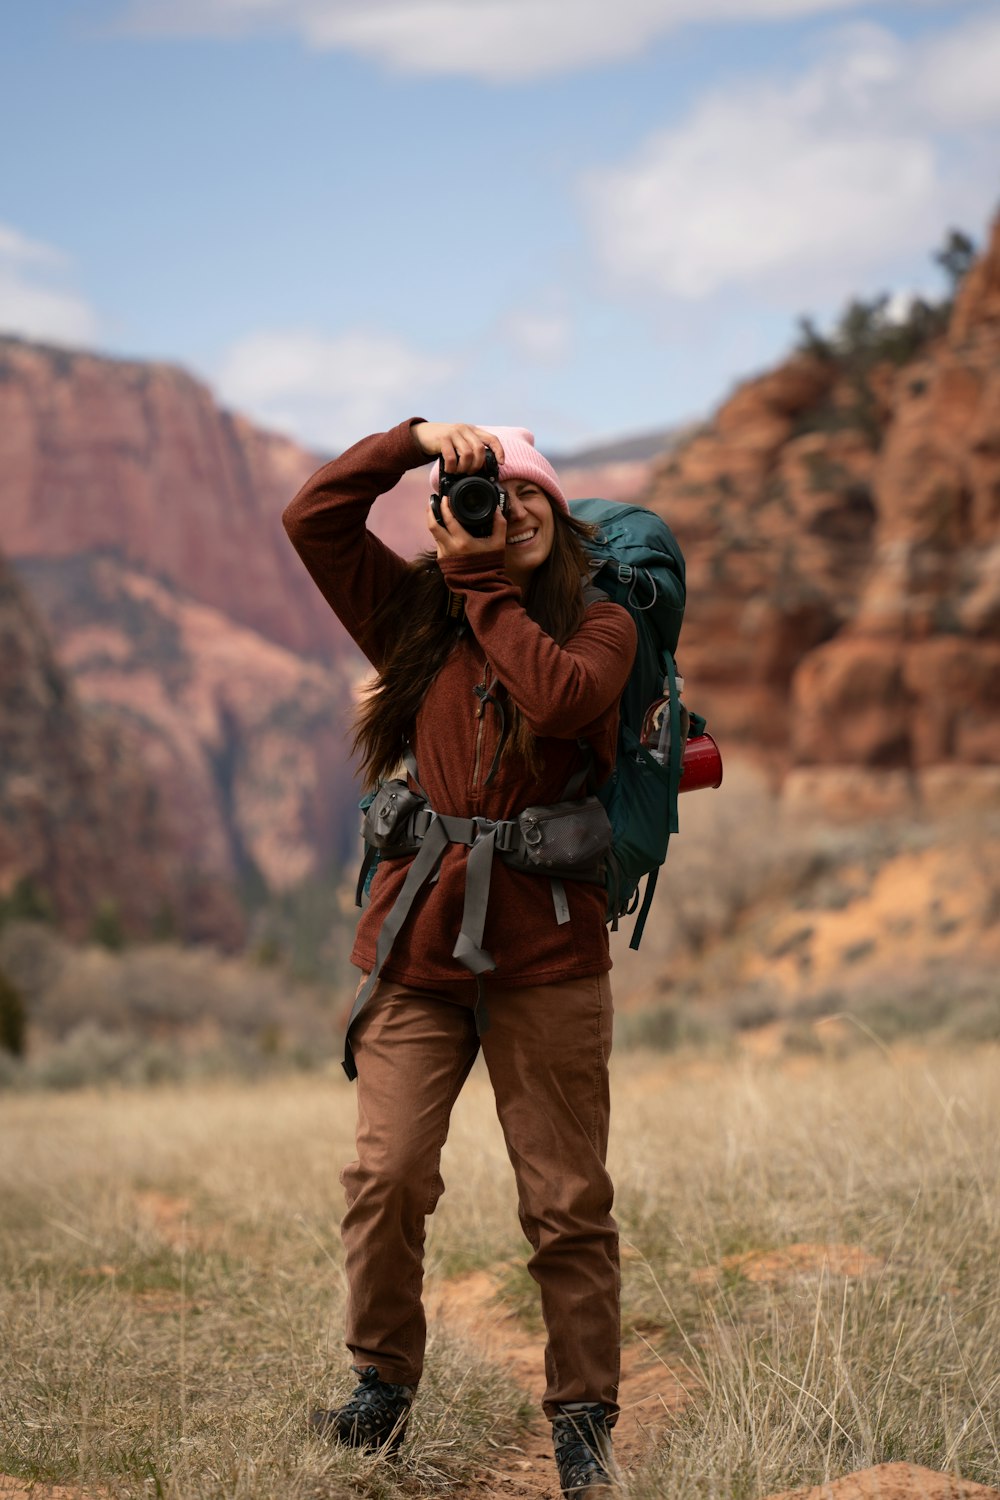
[
  {"x": 580, "y": 778},
  {"x": 674, "y": 758},
  {"x": 371, "y": 855},
  {"x": 647, "y": 902},
  {"x": 480, "y": 1014},
  {"x": 410, "y": 762},
  {"x": 425, "y": 861},
  {"x": 468, "y": 947},
  {"x": 560, "y": 903},
  {"x": 676, "y": 748}
]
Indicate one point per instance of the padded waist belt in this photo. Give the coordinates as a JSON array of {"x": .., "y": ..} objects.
[
  {"x": 507, "y": 834},
  {"x": 425, "y": 835},
  {"x": 435, "y": 832}
]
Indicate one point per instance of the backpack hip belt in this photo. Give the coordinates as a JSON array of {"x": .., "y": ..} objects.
[{"x": 565, "y": 841}]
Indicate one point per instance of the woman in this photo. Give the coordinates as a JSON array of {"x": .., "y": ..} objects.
[{"x": 503, "y": 681}]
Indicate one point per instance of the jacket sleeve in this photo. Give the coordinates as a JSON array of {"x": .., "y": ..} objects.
[
  {"x": 326, "y": 523},
  {"x": 560, "y": 690}
]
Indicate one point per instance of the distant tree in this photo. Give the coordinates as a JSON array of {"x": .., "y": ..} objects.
[
  {"x": 164, "y": 924},
  {"x": 858, "y": 327},
  {"x": 26, "y": 902},
  {"x": 106, "y": 927},
  {"x": 869, "y": 331},
  {"x": 811, "y": 341},
  {"x": 955, "y": 257}
]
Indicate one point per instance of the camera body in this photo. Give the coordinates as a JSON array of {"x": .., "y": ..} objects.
[{"x": 473, "y": 497}]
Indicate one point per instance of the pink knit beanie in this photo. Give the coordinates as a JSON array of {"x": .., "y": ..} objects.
[{"x": 521, "y": 460}]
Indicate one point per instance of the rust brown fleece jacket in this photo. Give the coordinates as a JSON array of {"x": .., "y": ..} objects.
[{"x": 566, "y": 693}]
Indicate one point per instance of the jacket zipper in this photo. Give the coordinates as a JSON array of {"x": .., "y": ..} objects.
[
  {"x": 480, "y": 715},
  {"x": 481, "y": 687}
]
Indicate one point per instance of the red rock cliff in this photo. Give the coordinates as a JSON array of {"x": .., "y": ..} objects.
[
  {"x": 101, "y": 454},
  {"x": 81, "y": 817},
  {"x": 843, "y": 540}
]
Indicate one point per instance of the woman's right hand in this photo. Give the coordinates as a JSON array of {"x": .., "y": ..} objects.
[{"x": 462, "y": 447}]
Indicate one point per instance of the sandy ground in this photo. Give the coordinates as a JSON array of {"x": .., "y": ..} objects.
[{"x": 650, "y": 1391}]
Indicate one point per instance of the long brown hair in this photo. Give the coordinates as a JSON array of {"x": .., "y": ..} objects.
[{"x": 415, "y": 619}]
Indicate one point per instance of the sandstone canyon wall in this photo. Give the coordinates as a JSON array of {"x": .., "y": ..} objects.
[
  {"x": 82, "y": 820},
  {"x": 842, "y": 528},
  {"x": 138, "y": 460},
  {"x": 147, "y": 525}
]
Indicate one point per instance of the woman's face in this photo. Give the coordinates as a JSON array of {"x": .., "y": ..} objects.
[{"x": 530, "y": 529}]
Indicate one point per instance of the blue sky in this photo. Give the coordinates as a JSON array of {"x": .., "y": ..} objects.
[{"x": 585, "y": 217}]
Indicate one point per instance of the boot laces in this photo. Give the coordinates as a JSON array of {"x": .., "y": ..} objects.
[
  {"x": 374, "y": 1406},
  {"x": 582, "y": 1446}
]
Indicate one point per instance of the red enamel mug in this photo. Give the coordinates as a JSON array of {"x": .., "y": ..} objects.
[{"x": 701, "y": 764}]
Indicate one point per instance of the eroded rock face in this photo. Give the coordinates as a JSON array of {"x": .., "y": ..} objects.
[
  {"x": 100, "y": 454},
  {"x": 913, "y": 680},
  {"x": 81, "y": 817},
  {"x": 843, "y": 542},
  {"x": 776, "y": 522},
  {"x": 244, "y": 738},
  {"x": 147, "y": 524}
]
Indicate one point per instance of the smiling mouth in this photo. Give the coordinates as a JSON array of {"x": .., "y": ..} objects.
[{"x": 521, "y": 538}]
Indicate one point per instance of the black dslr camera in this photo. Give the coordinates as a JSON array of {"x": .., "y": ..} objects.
[{"x": 473, "y": 497}]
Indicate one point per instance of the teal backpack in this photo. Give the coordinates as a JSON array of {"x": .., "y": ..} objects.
[{"x": 637, "y": 563}]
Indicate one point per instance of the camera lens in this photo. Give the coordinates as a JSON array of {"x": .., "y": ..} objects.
[{"x": 474, "y": 500}]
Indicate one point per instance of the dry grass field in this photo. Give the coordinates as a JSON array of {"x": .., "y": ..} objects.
[{"x": 810, "y": 1284}]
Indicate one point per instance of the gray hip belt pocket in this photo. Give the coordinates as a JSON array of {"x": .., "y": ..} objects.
[{"x": 566, "y": 841}]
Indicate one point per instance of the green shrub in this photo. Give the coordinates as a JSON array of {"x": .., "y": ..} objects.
[
  {"x": 106, "y": 926},
  {"x": 13, "y": 1018},
  {"x": 26, "y": 902}
]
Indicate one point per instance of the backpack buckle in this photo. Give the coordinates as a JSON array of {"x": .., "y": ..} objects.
[
  {"x": 506, "y": 837},
  {"x": 420, "y": 821}
]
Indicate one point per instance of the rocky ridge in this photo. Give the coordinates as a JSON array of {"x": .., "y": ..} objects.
[
  {"x": 841, "y": 529},
  {"x": 245, "y": 738},
  {"x": 82, "y": 822},
  {"x": 136, "y": 459}
]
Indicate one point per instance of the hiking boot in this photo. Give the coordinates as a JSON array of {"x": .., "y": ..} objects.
[
  {"x": 582, "y": 1441},
  {"x": 374, "y": 1416}
]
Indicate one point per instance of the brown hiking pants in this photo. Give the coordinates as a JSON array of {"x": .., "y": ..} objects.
[{"x": 546, "y": 1049}]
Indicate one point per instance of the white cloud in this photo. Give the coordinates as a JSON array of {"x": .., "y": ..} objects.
[
  {"x": 32, "y": 301},
  {"x": 497, "y": 40},
  {"x": 327, "y": 391},
  {"x": 956, "y": 76},
  {"x": 543, "y": 338},
  {"x": 796, "y": 190}
]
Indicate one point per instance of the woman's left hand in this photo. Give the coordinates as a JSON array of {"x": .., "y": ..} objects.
[{"x": 453, "y": 540}]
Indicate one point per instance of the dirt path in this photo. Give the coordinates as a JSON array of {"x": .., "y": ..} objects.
[
  {"x": 899, "y": 1481},
  {"x": 650, "y": 1391}
]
